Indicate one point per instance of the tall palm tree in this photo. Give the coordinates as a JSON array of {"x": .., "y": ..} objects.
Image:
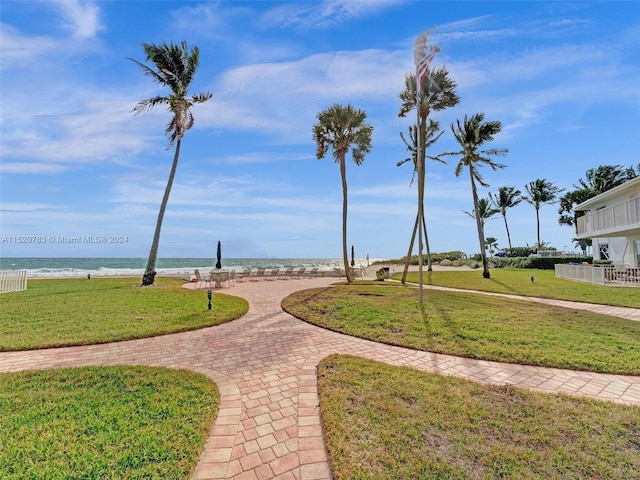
[
  {"x": 175, "y": 67},
  {"x": 539, "y": 192},
  {"x": 342, "y": 129},
  {"x": 471, "y": 134},
  {"x": 506, "y": 198},
  {"x": 437, "y": 92},
  {"x": 432, "y": 136}
]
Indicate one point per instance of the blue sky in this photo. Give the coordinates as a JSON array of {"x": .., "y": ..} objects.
[{"x": 562, "y": 77}]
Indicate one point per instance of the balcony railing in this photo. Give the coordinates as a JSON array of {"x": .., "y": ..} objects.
[{"x": 623, "y": 216}]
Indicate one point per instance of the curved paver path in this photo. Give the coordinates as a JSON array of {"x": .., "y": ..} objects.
[{"x": 264, "y": 364}]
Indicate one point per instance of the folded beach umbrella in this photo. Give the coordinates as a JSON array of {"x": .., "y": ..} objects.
[
  {"x": 219, "y": 255},
  {"x": 353, "y": 261}
]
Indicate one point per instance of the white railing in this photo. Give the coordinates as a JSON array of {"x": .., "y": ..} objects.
[
  {"x": 581, "y": 273},
  {"x": 600, "y": 275},
  {"x": 13, "y": 280},
  {"x": 621, "y": 215}
]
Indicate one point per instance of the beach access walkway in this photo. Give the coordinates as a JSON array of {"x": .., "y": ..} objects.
[{"x": 268, "y": 424}]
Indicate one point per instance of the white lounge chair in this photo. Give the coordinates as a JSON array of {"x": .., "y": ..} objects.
[
  {"x": 287, "y": 273},
  {"x": 259, "y": 274},
  {"x": 244, "y": 275},
  {"x": 199, "y": 279}
]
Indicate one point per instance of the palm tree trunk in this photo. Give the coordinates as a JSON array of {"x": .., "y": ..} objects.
[
  {"x": 506, "y": 226},
  {"x": 426, "y": 243},
  {"x": 150, "y": 272},
  {"x": 483, "y": 253},
  {"x": 408, "y": 260},
  {"x": 538, "y": 222},
  {"x": 345, "y": 255}
]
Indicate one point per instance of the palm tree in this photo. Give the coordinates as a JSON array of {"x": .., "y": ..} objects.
[
  {"x": 605, "y": 177},
  {"x": 175, "y": 67},
  {"x": 485, "y": 211},
  {"x": 342, "y": 129},
  {"x": 432, "y": 136},
  {"x": 437, "y": 92},
  {"x": 491, "y": 243},
  {"x": 541, "y": 191},
  {"x": 506, "y": 198},
  {"x": 471, "y": 134}
]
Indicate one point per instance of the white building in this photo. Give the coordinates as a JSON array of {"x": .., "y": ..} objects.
[{"x": 613, "y": 223}]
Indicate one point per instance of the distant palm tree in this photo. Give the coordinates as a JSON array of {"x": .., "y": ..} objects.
[
  {"x": 437, "y": 92},
  {"x": 539, "y": 192},
  {"x": 485, "y": 211},
  {"x": 471, "y": 134},
  {"x": 342, "y": 129},
  {"x": 175, "y": 67},
  {"x": 506, "y": 198},
  {"x": 492, "y": 244}
]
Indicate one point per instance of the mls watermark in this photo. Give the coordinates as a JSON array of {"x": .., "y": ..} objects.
[{"x": 65, "y": 239}]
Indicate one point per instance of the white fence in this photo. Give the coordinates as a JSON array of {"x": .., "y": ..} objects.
[
  {"x": 13, "y": 280},
  {"x": 600, "y": 275},
  {"x": 582, "y": 273}
]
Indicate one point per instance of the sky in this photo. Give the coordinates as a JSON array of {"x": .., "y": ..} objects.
[{"x": 563, "y": 78}]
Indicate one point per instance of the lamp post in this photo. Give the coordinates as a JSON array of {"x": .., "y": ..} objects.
[{"x": 209, "y": 297}]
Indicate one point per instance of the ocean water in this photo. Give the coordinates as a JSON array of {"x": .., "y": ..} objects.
[{"x": 102, "y": 267}]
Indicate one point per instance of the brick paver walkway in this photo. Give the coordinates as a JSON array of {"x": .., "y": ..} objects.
[{"x": 264, "y": 364}]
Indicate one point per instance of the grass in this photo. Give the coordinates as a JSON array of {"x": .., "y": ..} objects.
[
  {"x": 385, "y": 422},
  {"x": 63, "y": 312},
  {"x": 104, "y": 423},
  {"x": 518, "y": 282},
  {"x": 476, "y": 326}
]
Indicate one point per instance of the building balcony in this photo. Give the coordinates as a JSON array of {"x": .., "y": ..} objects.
[{"x": 618, "y": 220}]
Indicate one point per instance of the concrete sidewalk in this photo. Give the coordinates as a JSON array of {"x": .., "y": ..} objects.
[{"x": 264, "y": 364}]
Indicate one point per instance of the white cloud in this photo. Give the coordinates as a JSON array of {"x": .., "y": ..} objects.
[
  {"x": 82, "y": 18},
  {"x": 31, "y": 168},
  {"x": 314, "y": 15},
  {"x": 283, "y": 98},
  {"x": 19, "y": 50}
]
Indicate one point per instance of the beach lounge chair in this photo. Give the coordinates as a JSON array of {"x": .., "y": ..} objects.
[
  {"x": 299, "y": 273},
  {"x": 259, "y": 274},
  {"x": 273, "y": 274},
  {"x": 286, "y": 275},
  {"x": 232, "y": 277},
  {"x": 199, "y": 279},
  {"x": 244, "y": 275},
  {"x": 312, "y": 273}
]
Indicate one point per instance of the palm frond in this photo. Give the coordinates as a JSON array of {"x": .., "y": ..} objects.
[{"x": 148, "y": 104}]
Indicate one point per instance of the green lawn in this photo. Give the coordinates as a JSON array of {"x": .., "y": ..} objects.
[
  {"x": 472, "y": 325},
  {"x": 62, "y": 312},
  {"x": 517, "y": 281},
  {"x": 385, "y": 422},
  {"x": 104, "y": 423}
]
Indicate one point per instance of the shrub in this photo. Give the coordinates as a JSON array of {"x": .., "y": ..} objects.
[
  {"x": 519, "y": 251},
  {"x": 548, "y": 263}
]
